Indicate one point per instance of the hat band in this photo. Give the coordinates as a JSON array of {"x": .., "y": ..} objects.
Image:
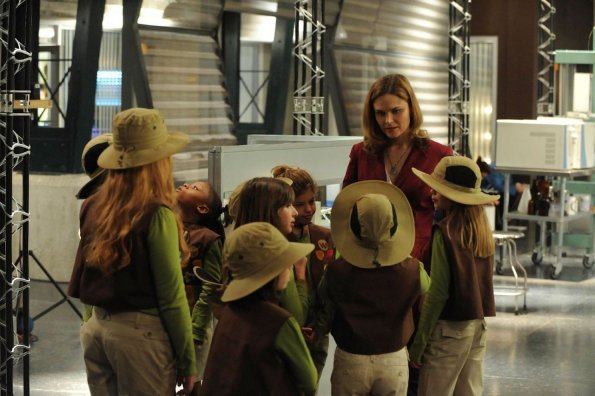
[{"x": 458, "y": 187}]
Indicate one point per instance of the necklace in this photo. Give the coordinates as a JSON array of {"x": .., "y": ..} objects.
[{"x": 394, "y": 167}]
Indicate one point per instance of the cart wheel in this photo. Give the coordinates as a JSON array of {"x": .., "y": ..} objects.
[
  {"x": 553, "y": 274},
  {"x": 587, "y": 263},
  {"x": 537, "y": 258}
]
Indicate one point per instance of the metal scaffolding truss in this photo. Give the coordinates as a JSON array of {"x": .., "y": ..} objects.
[
  {"x": 15, "y": 75},
  {"x": 545, "y": 51},
  {"x": 458, "y": 76},
  {"x": 308, "y": 99}
]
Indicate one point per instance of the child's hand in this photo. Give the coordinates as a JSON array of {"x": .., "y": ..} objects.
[
  {"x": 300, "y": 268},
  {"x": 187, "y": 383},
  {"x": 309, "y": 334},
  {"x": 416, "y": 365}
]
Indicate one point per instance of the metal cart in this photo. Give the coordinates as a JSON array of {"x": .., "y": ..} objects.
[{"x": 559, "y": 238}]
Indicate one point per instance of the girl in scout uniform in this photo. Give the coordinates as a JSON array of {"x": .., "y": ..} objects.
[
  {"x": 305, "y": 231},
  {"x": 270, "y": 199},
  {"x": 200, "y": 207},
  {"x": 370, "y": 291},
  {"x": 450, "y": 343},
  {"x": 138, "y": 339},
  {"x": 258, "y": 348}
]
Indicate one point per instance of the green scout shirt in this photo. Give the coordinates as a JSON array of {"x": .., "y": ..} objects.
[
  {"x": 169, "y": 286},
  {"x": 435, "y": 300},
  {"x": 201, "y": 313},
  {"x": 291, "y": 346},
  {"x": 294, "y": 298}
]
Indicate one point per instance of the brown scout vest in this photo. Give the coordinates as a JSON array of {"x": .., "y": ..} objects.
[
  {"x": 198, "y": 238},
  {"x": 323, "y": 253},
  {"x": 374, "y": 306},
  {"x": 471, "y": 290},
  {"x": 242, "y": 359},
  {"x": 128, "y": 289}
]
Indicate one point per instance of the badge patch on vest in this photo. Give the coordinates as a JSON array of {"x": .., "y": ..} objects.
[
  {"x": 319, "y": 255},
  {"x": 323, "y": 245}
]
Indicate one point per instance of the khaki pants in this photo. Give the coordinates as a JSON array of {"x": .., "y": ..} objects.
[
  {"x": 385, "y": 374},
  {"x": 453, "y": 359},
  {"x": 127, "y": 353}
]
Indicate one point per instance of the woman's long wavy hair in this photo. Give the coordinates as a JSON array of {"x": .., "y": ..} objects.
[
  {"x": 394, "y": 84},
  {"x": 260, "y": 200},
  {"x": 469, "y": 225},
  {"x": 122, "y": 202}
]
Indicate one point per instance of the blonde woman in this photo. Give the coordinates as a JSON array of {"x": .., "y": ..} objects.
[{"x": 139, "y": 337}]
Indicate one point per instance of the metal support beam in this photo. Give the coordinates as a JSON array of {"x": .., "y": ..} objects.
[
  {"x": 83, "y": 81},
  {"x": 308, "y": 102},
  {"x": 333, "y": 91},
  {"x": 16, "y": 24},
  {"x": 545, "y": 50},
  {"x": 135, "y": 82},
  {"x": 231, "y": 60},
  {"x": 278, "y": 87},
  {"x": 458, "y": 76}
]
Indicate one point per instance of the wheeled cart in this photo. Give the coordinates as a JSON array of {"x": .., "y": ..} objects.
[{"x": 565, "y": 184}]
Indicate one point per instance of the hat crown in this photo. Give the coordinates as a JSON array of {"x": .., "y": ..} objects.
[
  {"x": 253, "y": 247},
  {"x": 459, "y": 172},
  {"x": 372, "y": 224},
  {"x": 138, "y": 128},
  {"x": 92, "y": 151},
  {"x": 457, "y": 178},
  {"x": 375, "y": 219}
]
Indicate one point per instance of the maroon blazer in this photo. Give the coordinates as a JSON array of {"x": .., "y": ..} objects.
[{"x": 367, "y": 166}]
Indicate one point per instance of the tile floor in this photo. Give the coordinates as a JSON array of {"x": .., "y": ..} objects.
[{"x": 550, "y": 350}]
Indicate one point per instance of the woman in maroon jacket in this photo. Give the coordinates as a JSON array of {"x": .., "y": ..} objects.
[{"x": 394, "y": 142}]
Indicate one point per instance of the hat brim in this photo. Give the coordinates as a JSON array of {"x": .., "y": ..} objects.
[
  {"x": 90, "y": 186},
  {"x": 113, "y": 158},
  {"x": 239, "y": 288},
  {"x": 390, "y": 252},
  {"x": 463, "y": 197}
]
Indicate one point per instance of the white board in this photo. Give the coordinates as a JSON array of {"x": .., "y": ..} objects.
[{"x": 326, "y": 161}]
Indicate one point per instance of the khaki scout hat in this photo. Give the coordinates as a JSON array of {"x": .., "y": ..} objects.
[
  {"x": 457, "y": 178},
  {"x": 255, "y": 254},
  {"x": 140, "y": 138},
  {"x": 372, "y": 224},
  {"x": 91, "y": 153}
]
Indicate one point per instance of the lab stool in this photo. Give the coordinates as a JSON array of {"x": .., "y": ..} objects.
[{"x": 506, "y": 240}]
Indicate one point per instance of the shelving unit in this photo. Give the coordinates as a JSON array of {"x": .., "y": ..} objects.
[{"x": 559, "y": 220}]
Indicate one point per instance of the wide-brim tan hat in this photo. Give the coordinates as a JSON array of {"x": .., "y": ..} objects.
[
  {"x": 255, "y": 254},
  {"x": 372, "y": 224},
  {"x": 140, "y": 137},
  {"x": 457, "y": 178},
  {"x": 89, "y": 157}
]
